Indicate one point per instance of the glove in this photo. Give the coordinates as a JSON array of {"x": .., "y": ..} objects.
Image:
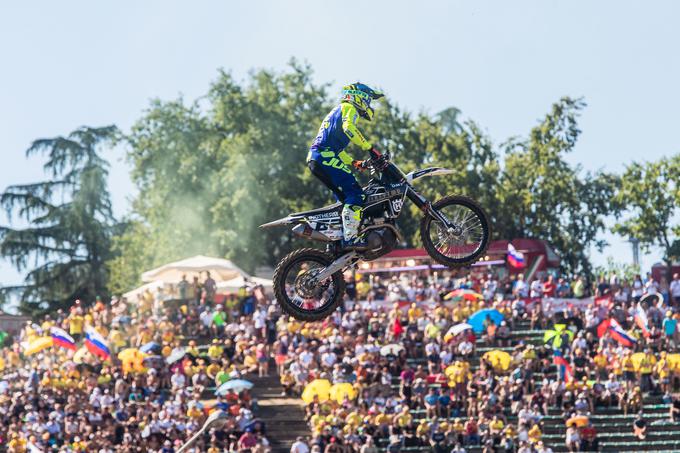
[{"x": 359, "y": 164}]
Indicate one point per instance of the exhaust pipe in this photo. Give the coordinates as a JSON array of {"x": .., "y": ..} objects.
[{"x": 307, "y": 232}]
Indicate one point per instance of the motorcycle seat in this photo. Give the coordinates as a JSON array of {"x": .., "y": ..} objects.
[{"x": 330, "y": 208}]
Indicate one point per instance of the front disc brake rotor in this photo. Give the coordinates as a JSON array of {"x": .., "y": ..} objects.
[{"x": 307, "y": 286}]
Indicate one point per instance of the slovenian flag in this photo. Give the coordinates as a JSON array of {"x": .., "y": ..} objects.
[
  {"x": 515, "y": 258},
  {"x": 61, "y": 338},
  {"x": 96, "y": 344},
  {"x": 642, "y": 321},
  {"x": 620, "y": 335}
]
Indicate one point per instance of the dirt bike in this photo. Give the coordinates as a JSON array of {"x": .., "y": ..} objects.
[{"x": 309, "y": 283}]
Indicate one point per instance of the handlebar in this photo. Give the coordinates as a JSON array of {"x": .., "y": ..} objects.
[{"x": 378, "y": 160}]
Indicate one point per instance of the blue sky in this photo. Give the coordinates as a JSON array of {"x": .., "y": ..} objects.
[{"x": 66, "y": 64}]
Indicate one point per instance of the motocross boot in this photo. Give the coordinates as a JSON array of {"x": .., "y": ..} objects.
[{"x": 351, "y": 220}]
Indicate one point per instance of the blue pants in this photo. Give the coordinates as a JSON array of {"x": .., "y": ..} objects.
[{"x": 340, "y": 181}]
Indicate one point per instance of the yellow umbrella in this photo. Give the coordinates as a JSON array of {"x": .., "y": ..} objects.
[
  {"x": 453, "y": 368},
  {"x": 500, "y": 360},
  {"x": 79, "y": 356},
  {"x": 318, "y": 387},
  {"x": 338, "y": 392},
  {"x": 38, "y": 345},
  {"x": 673, "y": 361},
  {"x": 133, "y": 360}
]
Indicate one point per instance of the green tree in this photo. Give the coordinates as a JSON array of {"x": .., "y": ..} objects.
[
  {"x": 648, "y": 198},
  {"x": 540, "y": 195},
  {"x": 210, "y": 173},
  {"x": 69, "y": 223}
]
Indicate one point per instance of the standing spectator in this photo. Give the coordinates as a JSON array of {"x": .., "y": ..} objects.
[
  {"x": 536, "y": 289},
  {"x": 549, "y": 287},
  {"x": 579, "y": 288},
  {"x": 638, "y": 288},
  {"x": 210, "y": 288},
  {"x": 183, "y": 288},
  {"x": 674, "y": 290},
  {"x": 521, "y": 289}
]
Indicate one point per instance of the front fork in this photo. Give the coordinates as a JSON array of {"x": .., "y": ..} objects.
[{"x": 427, "y": 208}]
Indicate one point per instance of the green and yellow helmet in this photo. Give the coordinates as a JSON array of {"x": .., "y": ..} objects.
[{"x": 360, "y": 96}]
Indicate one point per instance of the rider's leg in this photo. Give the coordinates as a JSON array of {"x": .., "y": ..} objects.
[
  {"x": 339, "y": 178},
  {"x": 321, "y": 173}
]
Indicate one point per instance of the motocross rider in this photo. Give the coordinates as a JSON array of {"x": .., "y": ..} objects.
[{"x": 328, "y": 160}]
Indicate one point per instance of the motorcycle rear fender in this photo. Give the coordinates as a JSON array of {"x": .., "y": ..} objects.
[
  {"x": 288, "y": 220},
  {"x": 432, "y": 171}
]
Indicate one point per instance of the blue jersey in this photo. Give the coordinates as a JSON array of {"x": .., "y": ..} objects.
[{"x": 337, "y": 130}]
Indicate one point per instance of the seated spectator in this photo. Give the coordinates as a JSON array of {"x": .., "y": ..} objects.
[{"x": 640, "y": 426}]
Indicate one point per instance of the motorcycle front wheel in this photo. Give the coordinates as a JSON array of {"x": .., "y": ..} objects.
[
  {"x": 462, "y": 243},
  {"x": 297, "y": 291}
]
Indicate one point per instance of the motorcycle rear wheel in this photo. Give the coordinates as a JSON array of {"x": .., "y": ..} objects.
[
  {"x": 300, "y": 300},
  {"x": 462, "y": 249}
]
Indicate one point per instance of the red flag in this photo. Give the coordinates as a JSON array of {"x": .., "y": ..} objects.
[
  {"x": 397, "y": 330},
  {"x": 562, "y": 362}
]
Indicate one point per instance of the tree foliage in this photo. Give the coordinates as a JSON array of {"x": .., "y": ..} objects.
[
  {"x": 211, "y": 171},
  {"x": 648, "y": 197},
  {"x": 69, "y": 223}
]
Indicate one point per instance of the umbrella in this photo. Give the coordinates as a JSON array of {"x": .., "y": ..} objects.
[
  {"x": 554, "y": 337},
  {"x": 237, "y": 385},
  {"x": 578, "y": 420},
  {"x": 637, "y": 360},
  {"x": 338, "y": 392},
  {"x": 673, "y": 361},
  {"x": 80, "y": 355},
  {"x": 478, "y": 318},
  {"x": 464, "y": 294},
  {"x": 458, "y": 328},
  {"x": 133, "y": 360},
  {"x": 391, "y": 349},
  {"x": 175, "y": 356},
  {"x": 318, "y": 387},
  {"x": 650, "y": 299},
  {"x": 150, "y": 347},
  {"x": 38, "y": 345},
  {"x": 455, "y": 367},
  {"x": 500, "y": 360}
]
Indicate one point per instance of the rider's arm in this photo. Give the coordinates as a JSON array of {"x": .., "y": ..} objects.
[{"x": 349, "y": 126}]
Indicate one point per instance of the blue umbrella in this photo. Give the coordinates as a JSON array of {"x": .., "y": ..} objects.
[
  {"x": 150, "y": 347},
  {"x": 477, "y": 319},
  {"x": 236, "y": 385}
]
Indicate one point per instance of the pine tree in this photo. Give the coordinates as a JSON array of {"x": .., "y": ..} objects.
[{"x": 69, "y": 223}]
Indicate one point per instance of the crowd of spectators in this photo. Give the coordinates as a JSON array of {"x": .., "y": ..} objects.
[
  {"x": 432, "y": 395},
  {"x": 432, "y": 390},
  {"x": 72, "y": 401}
]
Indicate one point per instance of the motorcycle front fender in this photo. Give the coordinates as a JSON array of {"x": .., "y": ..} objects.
[{"x": 432, "y": 171}]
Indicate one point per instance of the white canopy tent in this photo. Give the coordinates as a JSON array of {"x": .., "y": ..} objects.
[
  {"x": 153, "y": 287},
  {"x": 236, "y": 283},
  {"x": 220, "y": 269}
]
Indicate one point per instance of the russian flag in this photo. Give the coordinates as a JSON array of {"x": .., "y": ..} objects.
[
  {"x": 515, "y": 258},
  {"x": 563, "y": 366},
  {"x": 620, "y": 335},
  {"x": 96, "y": 344},
  {"x": 61, "y": 338},
  {"x": 642, "y": 321}
]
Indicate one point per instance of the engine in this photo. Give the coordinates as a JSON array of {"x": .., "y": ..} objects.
[{"x": 381, "y": 241}]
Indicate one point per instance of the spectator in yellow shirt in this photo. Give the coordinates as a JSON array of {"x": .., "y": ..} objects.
[{"x": 75, "y": 325}]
